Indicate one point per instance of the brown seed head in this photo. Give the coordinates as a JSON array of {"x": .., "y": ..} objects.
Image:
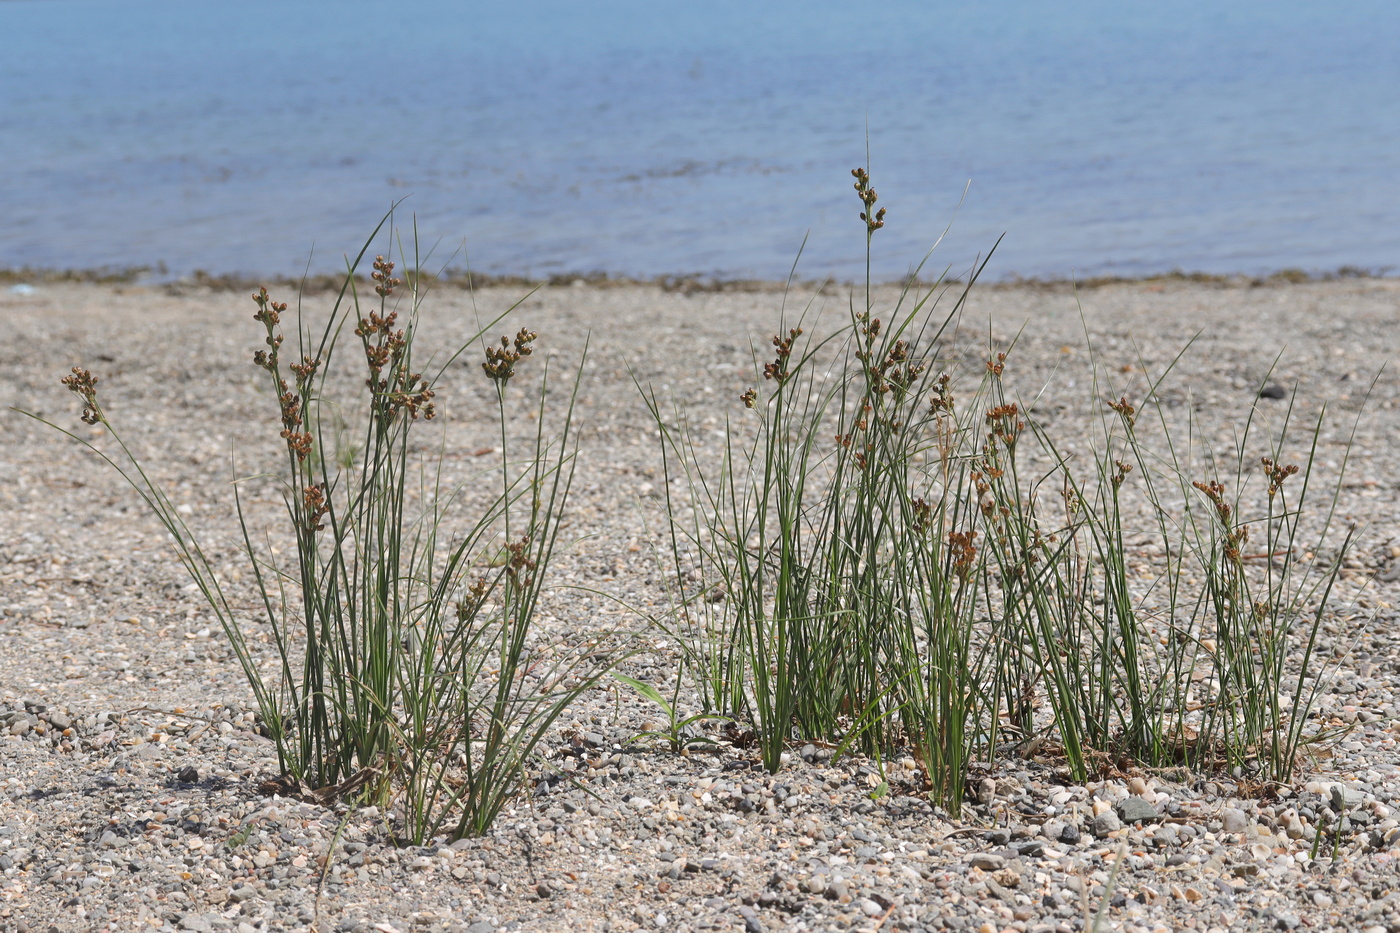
[{"x": 84, "y": 384}]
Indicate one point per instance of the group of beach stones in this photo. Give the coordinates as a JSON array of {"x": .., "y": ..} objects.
[{"x": 155, "y": 822}]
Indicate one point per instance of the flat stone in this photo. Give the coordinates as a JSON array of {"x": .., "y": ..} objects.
[
  {"x": 988, "y": 862},
  {"x": 1105, "y": 823},
  {"x": 1233, "y": 820},
  {"x": 1135, "y": 810}
]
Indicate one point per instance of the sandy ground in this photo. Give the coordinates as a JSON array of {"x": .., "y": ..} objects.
[{"x": 98, "y": 627}]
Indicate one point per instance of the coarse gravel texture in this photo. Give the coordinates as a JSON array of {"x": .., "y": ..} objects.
[{"x": 129, "y": 764}]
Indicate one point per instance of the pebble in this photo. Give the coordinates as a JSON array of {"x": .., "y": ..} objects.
[
  {"x": 1106, "y": 823},
  {"x": 1135, "y": 810},
  {"x": 1233, "y": 820},
  {"x": 986, "y": 861}
]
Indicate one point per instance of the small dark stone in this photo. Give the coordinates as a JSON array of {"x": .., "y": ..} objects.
[
  {"x": 1274, "y": 391},
  {"x": 751, "y": 922},
  {"x": 1070, "y": 835},
  {"x": 189, "y": 774}
]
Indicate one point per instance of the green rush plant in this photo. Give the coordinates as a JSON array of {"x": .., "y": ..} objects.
[
  {"x": 405, "y": 664},
  {"x": 873, "y": 562},
  {"x": 823, "y": 559}
]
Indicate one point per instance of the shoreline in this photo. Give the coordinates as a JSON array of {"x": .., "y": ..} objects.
[{"x": 154, "y": 277}]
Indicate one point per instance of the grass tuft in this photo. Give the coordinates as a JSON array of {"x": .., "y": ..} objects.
[
  {"x": 893, "y": 555},
  {"x": 406, "y": 663}
]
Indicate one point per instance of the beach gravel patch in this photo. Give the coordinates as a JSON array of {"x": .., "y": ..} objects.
[{"x": 131, "y": 756}]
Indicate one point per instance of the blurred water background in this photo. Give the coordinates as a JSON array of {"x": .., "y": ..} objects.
[{"x": 653, "y": 138}]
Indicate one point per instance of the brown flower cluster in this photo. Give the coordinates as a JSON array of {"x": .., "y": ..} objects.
[
  {"x": 941, "y": 399},
  {"x": 269, "y": 314},
  {"x": 305, "y": 370},
  {"x": 777, "y": 370},
  {"x": 896, "y": 370},
  {"x": 1121, "y": 473},
  {"x": 1004, "y": 424},
  {"x": 313, "y": 499},
  {"x": 298, "y": 441},
  {"x": 84, "y": 384},
  {"x": 1125, "y": 410},
  {"x": 500, "y": 361},
  {"x": 873, "y": 221},
  {"x": 862, "y": 424},
  {"x": 923, "y": 515},
  {"x": 383, "y": 276},
  {"x": 1215, "y": 492},
  {"x": 386, "y": 348},
  {"x": 964, "y": 551},
  {"x": 471, "y": 604},
  {"x": 519, "y": 566},
  {"x": 1234, "y": 537},
  {"x": 1277, "y": 473}
]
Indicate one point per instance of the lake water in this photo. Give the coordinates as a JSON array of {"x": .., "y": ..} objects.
[{"x": 651, "y": 138}]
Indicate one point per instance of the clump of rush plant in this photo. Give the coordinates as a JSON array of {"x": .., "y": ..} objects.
[
  {"x": 400, "y": 626},
  {"x": 872, "y": 564},
  {"x": 825, "y": 559}
]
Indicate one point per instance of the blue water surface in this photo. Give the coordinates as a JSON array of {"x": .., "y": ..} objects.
[{"x": 652, "y": 138}]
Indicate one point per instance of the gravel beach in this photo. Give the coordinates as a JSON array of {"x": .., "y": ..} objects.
[{"x": 130, "y": 768}]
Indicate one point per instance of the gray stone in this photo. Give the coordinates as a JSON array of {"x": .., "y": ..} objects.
[
  {"x": 986, "y": 861},
  {"x": 1344, "y": 798},
  {"x": 1069, "y": 835},
  {"x": 1135, "y": 810},
  {"x": 870, "y": 908},
  {"x": 1105, "y": 823},
  {"x": 1233, "y": 820}
]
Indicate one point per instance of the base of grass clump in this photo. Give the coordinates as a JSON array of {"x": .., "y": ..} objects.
[{"x": 893, "y": 555}]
